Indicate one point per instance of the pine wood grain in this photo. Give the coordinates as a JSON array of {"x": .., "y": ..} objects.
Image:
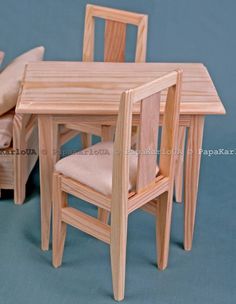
[
  {"x": 179, "y": 172},
  {"x": 48, "y": 155},
  {"x": 59, "y": 227},
  {"x": 17, "y": 162},
  {"x": 94, "y": 88},
  {"x": 169, "y": 140},
  {"x": 122, "y": 203},
  {"x": 116, "y": 22},
  {"x": 115, "y": 41},
  {"x": 86, "y": 84},
  {"x": 148, "y": 139},
  {"x": 192, "y": 169}
]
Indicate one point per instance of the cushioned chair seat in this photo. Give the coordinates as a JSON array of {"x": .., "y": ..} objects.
[
  {"x": 93, "y": 167},
  {"x": 6, "y": 130}
]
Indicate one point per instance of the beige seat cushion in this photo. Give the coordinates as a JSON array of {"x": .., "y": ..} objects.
[
  {"x": 12, "y": 75},
  {"x": 93, "y": 167},
  {"x": 6, "y": 130}
]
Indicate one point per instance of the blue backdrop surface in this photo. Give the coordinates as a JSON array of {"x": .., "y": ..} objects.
[{"x": 179, "y": 31}]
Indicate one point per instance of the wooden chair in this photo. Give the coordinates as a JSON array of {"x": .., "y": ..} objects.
[
  {"x": 116, "y": 22},
  {"x": 129, "y": 189}
]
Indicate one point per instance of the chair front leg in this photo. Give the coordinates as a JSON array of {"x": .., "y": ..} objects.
[
  {"x": 59, "y": 228},
  {"x": 119, "y": 222},
  {"x": 163, "y": 225}
]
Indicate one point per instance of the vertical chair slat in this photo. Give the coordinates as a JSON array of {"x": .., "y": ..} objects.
[
  {"x": 169, "y": 134},
  {"x": 115, "y": 41},
  {"x": 148, "y": 138}
]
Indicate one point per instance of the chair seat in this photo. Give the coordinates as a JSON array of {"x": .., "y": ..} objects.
[
  {"x": 93, "y": 167},
  {"x": 6, "y": 129}
]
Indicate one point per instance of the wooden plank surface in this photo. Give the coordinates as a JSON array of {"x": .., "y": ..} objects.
[
  {"x": 148, "y": 137},
  {"x": 115, "y": 41},
  {"x": 95, "y": 88}
]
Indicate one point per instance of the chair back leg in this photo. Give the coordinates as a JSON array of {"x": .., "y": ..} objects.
[{"x": 59, "y": 227}]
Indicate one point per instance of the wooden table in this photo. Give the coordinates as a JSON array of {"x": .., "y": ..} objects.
[{"x": 67, "y": 92}]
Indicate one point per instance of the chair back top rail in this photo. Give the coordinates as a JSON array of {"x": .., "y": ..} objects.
[{"x": 115, "y": 14}]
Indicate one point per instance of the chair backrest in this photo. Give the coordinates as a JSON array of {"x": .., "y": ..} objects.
[
  {"x": 1, "y": 56},
  {"x": 116, "y": 22},
  {"x": 149, "y": 97}
]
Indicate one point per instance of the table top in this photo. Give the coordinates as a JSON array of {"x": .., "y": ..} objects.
[{"x": 95, "y": 88}]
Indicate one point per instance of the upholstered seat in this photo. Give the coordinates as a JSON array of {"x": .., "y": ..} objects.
[
  {"x": 93, "y": 167},
  {"x": 6, "y": 130}
]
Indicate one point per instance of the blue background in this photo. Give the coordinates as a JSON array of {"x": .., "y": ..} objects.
[{"x": 179, "y": 31}]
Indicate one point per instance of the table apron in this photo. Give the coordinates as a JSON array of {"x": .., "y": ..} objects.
[{"x": 109, "y": 120}]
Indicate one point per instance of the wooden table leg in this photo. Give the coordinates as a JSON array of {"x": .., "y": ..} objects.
[
  {"x": 193, "y": 159},
  {"x": 48, "y": 154},
  {"x": 179, "y": 171}
]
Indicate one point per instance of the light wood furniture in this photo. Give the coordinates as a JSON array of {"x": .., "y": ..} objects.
[
  {"x": 71, "y": 92},
  {"x": 148, "y": 186},
  {"x": 116, "y": 22},
  {"x": 17, "y": 161}
]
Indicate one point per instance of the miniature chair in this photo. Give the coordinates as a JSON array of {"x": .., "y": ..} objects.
[
  {"x": 120, "y": 180},
  {"x": 116, "y": 22}
]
